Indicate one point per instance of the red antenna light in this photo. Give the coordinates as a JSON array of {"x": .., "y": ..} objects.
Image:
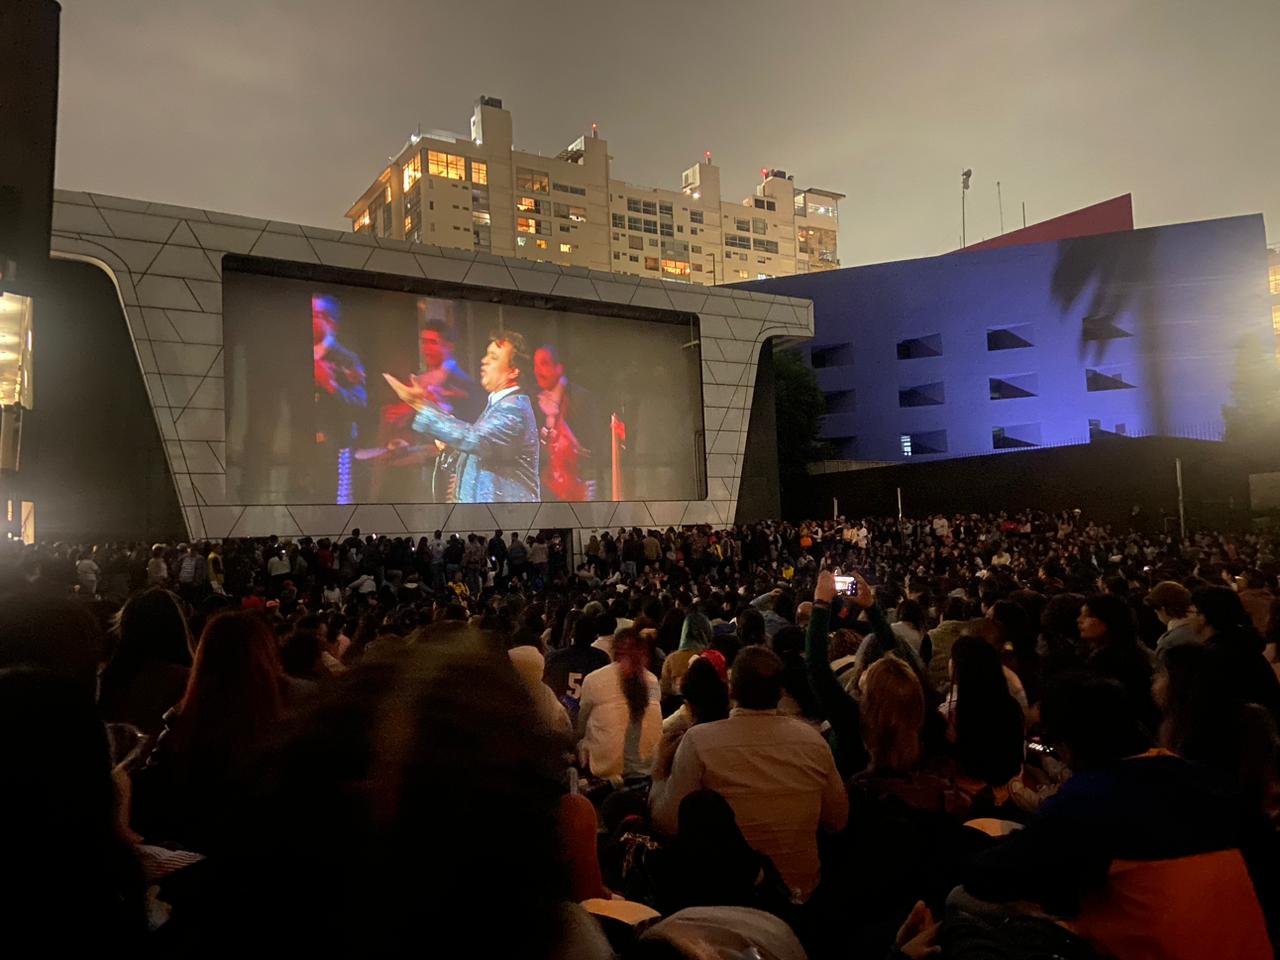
[
  {"x": 708, "y": 156},
  {"x": 764, "y": 173}
]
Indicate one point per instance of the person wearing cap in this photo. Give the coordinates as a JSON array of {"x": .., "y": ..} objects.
[{"x": 1172, "y": 602}]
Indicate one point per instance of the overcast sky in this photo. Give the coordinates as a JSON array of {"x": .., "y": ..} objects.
[{"x": 287, "y": 108}]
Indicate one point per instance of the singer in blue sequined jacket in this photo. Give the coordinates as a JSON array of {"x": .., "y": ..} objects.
[{"x": 498, "y": 460}]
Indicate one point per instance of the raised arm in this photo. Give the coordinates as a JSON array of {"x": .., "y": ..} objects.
[{"x": 840, "y": 709}]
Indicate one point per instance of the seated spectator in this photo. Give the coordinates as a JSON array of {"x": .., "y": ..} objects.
[
  {"x": 1225, "y": 626},
  {"x": 568, "y": 667},
  {"x": 695, "y": 636},
  {"x": 147, "y": 673},
  {"x": 718, "y": 933},
  {"x": 1108, "y": 638},
  {"x": 619, "y": 720},
  {"x": 52, "y": 634},
  {"x": 797, "y": 696},
  {"x": 942, "y": 638},
  {"x": 842, "y": 651},
  {"x": 402, "y": 803},
  {"x": 778, "y": 609},
  {"x": 1171, "y": 602},
  {"x": 1207, "y": 721},
  {"x": 530, "y": 666},
  {"x": 910, "y": 627},
  {"x": 232, "y": 703},
  {"x": 706, "y": 699},
  {"x": 750, "y": 627},
  {"x": 1139, "y": 852},
  {"x": 606, "y": 625},
  {"x": 69, "y": 882},
  {"x": 986, "y": 722},
  {"x": 989, "y": 632},
  {"x": 777, "y": 774}
]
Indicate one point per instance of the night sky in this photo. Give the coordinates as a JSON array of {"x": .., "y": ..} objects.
[{"x": 286, "y": 109}]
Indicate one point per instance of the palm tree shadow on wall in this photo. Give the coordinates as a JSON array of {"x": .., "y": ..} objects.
[{"x": 1114, "y": 274}]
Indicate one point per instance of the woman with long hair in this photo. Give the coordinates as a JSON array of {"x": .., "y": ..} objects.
[
  {"x": 987, "y": 722},
  {"x": 619, "y": 719},
  {"x": 148, "y": 672},
  {"x": 232, "y": 702},
  {"x": 893, "y": 714}
]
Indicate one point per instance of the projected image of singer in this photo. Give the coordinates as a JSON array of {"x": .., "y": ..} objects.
[{"x": 498, "y": 454}]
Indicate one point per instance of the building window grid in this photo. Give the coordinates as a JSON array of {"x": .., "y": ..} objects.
[
  {"x": 447, "y": 165},
  {"x": 535, "y": 181},
  {"x": 412, "y": 171}
]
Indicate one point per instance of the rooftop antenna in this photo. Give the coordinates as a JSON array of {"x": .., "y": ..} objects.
[{"x": 1000, "y": 201}]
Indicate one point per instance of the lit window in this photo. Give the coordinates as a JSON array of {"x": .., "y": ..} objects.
[
  {"x": 534, "y": 180},
  {"x": 540, "y": 244},
  {"x": 743, "y": 275},
  {"x": 479, "y": 172},
  {"x": 522, "y": 241},
  {"x": 386, "y": 197},
  {"x": 1273, "y": 275},
  {"x": 364, "y": 222},
  {"x": 527, "y": 225},
  {"x": 527, "y": 205},
  {"x": 446, "y": 165},
  {"x": 480, "y": 218},
  {"x": 408, "y": 225},
  {"x": 412, "y": 171},
  {"x": 905, "y": 441},
  {"x": 566, "y": 248},
  {"x": 1275, "y": 326},
  {"x": 675, "y": 268}
]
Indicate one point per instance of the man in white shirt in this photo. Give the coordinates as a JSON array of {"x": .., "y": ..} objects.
[{"x": 777, "y": 773}]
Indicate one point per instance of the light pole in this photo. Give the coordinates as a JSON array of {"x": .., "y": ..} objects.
[{"x": 964, "y": 189}]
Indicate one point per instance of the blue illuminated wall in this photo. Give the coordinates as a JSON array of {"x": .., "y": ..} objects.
[{"x": 1046, "y": 344}]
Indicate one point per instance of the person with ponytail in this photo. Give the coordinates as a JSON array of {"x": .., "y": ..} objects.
[{"x": 619, "y": 720}]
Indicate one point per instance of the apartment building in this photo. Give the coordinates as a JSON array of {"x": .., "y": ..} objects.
[{"x": 480, "y": 192}]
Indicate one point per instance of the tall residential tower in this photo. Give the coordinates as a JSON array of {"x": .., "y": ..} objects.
[{"x": 481, "y": 193}]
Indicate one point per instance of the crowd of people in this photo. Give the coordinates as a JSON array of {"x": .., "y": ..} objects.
[{"x": 957, "y": 736}]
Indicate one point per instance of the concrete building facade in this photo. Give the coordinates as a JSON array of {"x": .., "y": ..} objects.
[{"x": 481, "y": 193}]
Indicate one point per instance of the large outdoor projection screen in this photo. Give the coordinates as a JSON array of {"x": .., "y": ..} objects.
[{"x": 505, "y": 397}]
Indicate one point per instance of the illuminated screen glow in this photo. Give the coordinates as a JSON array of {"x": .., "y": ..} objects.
[{"x": 389, "y": 396}]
